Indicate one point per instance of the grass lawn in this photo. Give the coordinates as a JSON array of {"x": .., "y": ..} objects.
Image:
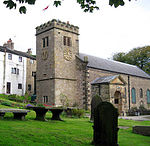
[{"x": 74, "y": 132}]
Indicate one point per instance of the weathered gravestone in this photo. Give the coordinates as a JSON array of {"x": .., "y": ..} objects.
[
  {"x": 96, "y": 100},
  {"x": 105, "y": 125}
]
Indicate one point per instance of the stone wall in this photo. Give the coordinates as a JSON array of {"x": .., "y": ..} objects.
[
  {"x": 31, "y": 67},
  {"x": 136, "y": 82}
]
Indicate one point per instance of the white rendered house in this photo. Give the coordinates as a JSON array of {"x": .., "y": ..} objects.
[{"x": 13, "y": 69}]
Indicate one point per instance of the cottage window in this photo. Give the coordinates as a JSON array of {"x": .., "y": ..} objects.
[
  {"x": 19, "y": 86},
  {"x": 15, "y": 71},
  {"x": 10, "y": 56},
  {"x": 20, "y": 59},
  {"x": 133, "y": 92},
  {"x": 148, "y": 96}
]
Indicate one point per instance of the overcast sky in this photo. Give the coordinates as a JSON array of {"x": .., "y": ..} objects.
[{"x": 102, "y": 33}]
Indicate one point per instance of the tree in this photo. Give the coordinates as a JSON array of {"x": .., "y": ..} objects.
[
  {"x": 86, "y": 5},
  {"x": 138, "y": 56}
]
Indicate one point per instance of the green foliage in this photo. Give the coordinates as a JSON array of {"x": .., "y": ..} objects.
[
  {"x": 137, "y": 56},
  {"x": 6, "y": 103},
  {"x": 86, "y": 5},
  {"x": 78, "y": 112},
  {"x": 75, "y": 112},
  {"x": 40, "y": 105},
  {"x": 64, "y": 100}
]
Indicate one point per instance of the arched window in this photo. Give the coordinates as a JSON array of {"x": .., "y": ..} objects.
[
  {"x": 141, "y": 93},
  {"x": 133, "y": 95},
  {"x": 148, "y": 96},
  {"x": 125, "y": 92}
]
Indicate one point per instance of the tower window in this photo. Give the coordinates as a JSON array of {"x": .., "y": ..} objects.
[
  {"x": 67, "y": 41},
  {"x": 45, "y": 98},
  {"x": 45, "y": 42}
]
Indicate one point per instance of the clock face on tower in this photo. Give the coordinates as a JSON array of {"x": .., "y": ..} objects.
[
  {"x": 67, "y": 54},
  {"x": 44, "y": 54}
]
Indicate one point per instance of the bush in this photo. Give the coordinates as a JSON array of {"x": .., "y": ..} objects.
[
  {"x": 74, "y": 112},
  {"x": 6, "y": 103},
  {"x": 16, "y": 98}
]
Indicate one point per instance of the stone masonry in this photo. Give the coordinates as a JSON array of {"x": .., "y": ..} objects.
[{"x": 61, "y": 71}]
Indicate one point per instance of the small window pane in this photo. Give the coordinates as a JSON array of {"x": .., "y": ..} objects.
[
  {"x": 19, "y": 86},
  {"x": 133, "y": 95},
  {"x": 10, "y": 56},
  {"x": 148, "y": 96},
  {"x": 141, "y": 93},
  {"x": 20, "y": 59},
  {"x": 116, "y": 101},
  {"x": 29, "y": 87}
]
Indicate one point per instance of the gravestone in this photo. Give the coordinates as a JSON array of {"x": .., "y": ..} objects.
[
  {"x": 95, "y": 101},
  {"x": 105, "y": 125}
]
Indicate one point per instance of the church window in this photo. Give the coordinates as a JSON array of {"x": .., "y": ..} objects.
[
  {"x": 141, "y": 93},
  {"x": 133, "y": 92},
  {"x": 125, "y": 92},
  {"x": 148, "y": 96},
  {"x": 67, "y": 41},
  {"x": 45, "y": 42}
]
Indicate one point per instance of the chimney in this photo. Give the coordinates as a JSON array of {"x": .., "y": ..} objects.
[
  {"x": 29, "y": 51},
  {"x": 9, "y": 44}
]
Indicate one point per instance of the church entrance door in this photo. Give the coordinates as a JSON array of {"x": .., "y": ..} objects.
[{"x": 118, "y": 101}]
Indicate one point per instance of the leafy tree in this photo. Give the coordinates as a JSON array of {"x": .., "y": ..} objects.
[
  {"x": 86, "y": 5},
  {"x": 137, "y": 56}
]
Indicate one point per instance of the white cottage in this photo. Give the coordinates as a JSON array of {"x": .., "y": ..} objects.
[{"x": 13, "y": 69}]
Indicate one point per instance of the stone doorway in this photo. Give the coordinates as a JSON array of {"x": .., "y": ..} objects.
[{"x": 118, "y": 101}]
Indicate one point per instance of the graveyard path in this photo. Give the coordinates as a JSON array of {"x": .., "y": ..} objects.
[{"x": 136, "y": 118}]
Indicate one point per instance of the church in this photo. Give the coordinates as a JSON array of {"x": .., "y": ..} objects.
[{"x": 62, "y": 71}]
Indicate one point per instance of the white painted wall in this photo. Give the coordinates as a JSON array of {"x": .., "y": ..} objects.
[
  {"x": 14, "y": 79},
  {"x": 1, "y": 71}
]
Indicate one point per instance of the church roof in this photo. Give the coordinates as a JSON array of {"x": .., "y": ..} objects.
[
  {"x": 105, "y": 79},
  {"x": 23, "y": 54},
  {"x": 113, "y": 66},
  {"x": 108, "y": 79}
]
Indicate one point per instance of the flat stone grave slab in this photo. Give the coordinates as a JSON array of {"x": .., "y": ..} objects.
[
  {"x": 18, "y": 113},
  {"x": 143, "y": 130}
]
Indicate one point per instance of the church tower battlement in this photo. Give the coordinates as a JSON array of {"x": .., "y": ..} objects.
[{"x": 57, "y": 24}]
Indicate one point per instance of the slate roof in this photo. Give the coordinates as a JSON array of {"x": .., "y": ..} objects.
[
  {"x": 113, "y": 66},
  {"x": 23, "y": 54},
  {"x": 105, "y": 79}
]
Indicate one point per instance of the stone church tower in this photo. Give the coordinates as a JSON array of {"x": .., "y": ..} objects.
[{"x": 56, "y": 48}]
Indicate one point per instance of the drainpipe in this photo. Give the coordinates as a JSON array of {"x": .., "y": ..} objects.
[
  {"x": 4, "y": 72},
  {"x": 23, "y": 78},
  {"x": 129, "y": 90}
]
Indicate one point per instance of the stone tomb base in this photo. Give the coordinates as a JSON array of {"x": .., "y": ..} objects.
[{"x": 143, "y": 130}]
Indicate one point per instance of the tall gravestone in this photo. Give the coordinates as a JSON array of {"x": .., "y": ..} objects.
[
  {"x": 105, "y": 125},
  {"x": 96, "y": 100}
]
